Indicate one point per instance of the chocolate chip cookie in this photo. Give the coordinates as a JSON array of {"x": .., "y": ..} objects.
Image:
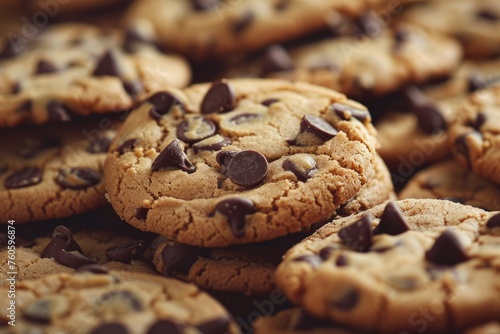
[
  {"x": 396, "y": 266},
  {"x": 53, "y": 171},
  {"x": 475, "y": 137},
  {"x": 75, "y": 69},
  {"x": 238, "y": 161},
  {"x": 448, "y": 180},
  {"x": 98, "y": 301}
]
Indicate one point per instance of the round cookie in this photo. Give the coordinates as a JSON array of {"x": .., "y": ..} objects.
[
  {"x": 475, "y": 136},
  {"x": 400, "y": 262},
  {"x": 53, "y": 171},
  {"x": 448, "y": 180},
  {"x": 97, "y": 301},
  {"x": 202, "y": 29},
  {"x": 474, "y": 23},
  {"x": 75, "y": 69},
  {"x": 367, "y": 66},
  {"x": 238, "y": 161}
]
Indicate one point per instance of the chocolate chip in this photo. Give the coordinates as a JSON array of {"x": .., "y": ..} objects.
[
  {"x": 494, "y": 221},
  {"x": 25, "y": 107},
  {"x": 125, "y": 252},
  {"x": 313, "y": 260},
  {"x": 61, "y": 239},
  {"x": 215, "y": 326},
  {"x": 58, "y": 112},
  {"x": 141, "y": 213},
  {"x": 133, "y": 39},
  {"x": 462, "y": 148},
  {"x": 178, "y": 258},
  {"x": 224, "y": 157},
  {"x": 77, "y": 178},
  {"x": 243, "y": 22},
  {"x": 34, "y": 146},
  {"x": 11, "y": 49},
  {"x": 173, "y": 157},
  {"x": 236, "y": 209},
  {"x": 220, "y": 98},
  {"x": 392, "y": 222},
  {"x": 110, "y": 328},
  {"x": 44, "y": 67},
  {"x": 72, "y": 259},
  {"x": 94, "y": 269},
  {"x": 244, "y": 118},
  {"x": 346, "y": 112},
  {"x": 214, "y": 143},
  {"x": 166, "y": 327},
  {"x": 203, "y": 5},
  {"x": 358, "y": 235},
  {"x": 476, "y": 82},
  {"x": 430, "y": 118},
  {"x": 23, "y": 178},
  {"x": 303, "y": 166},
  {"x": 368, "y": 25},
  {"x": 447, "y": 250},
  {"x": 163, "y": 103},
  {"x": 276, "y": 59},
  {"x": 487, "y": 15},
  {"x": 247, "y": 168},
  {"x": 133, "y": 88},
  {"x": 479, "y": 121},
  {"x": 99, "y": 146},
  {"x": 40, "y": 312},
  {"x": 314, "y": 131},
  {"x": 342, "y": 261},
  {"x": 268, "y": 102},
  {"x": 195, "y": 129},
  {"x": 120, "y": 302},
  {"x": 107, "y": 65},
  {"x": 126, "y": 146},
  {"x": 282, "y": 5},
  {"x": 325, "y": 252},
  {"x": 347, "y": 300},
  {"x": 16, "y": 88},
  {"x": 401, "y": 35}
]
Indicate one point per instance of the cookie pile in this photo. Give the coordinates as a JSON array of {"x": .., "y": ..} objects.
[{"x": 203, "y": 166}]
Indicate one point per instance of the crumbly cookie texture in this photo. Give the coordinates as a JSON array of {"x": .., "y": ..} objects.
[
  {"x": 53, "y": 171},
  {"x": 200, "y": 28},
  {"x": 475, "y": 136},
  {"x": 98, "y": 301},
  {"x": 396, "y": 265},
  {"x": 473, "y": 23},
  {"x": 75, "y": 69},
  {"x": 238, "y": 161},
  {"x": 363, "y": 66},
  {"x": 448, "y": 180}
]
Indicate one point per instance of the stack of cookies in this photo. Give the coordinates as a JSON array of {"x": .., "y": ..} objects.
[{"x": 203, "y": 166}]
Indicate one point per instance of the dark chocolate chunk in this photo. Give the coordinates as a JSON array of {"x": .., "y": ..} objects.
[
  {"x": 476, "y": 82},
  {"x": 347, "y": 301},
  {"x": 163, "y": 102},
  {"x": 125, "y": 252},
  {"x": 244, "y": 118},
  {"x": 215, "y": 326},
  {"x": 276, "y": 59},
  {"x": 126, "y": 146},
  {"x": 78, "y": 178},
  {"x": 94, "y": 269},
  {"x": 325, "y": 252},
  {"x": 107, "y": 65},
  {"x": 34, "y": 146},
  {"x": 72, "y": 259},
  {"x": 57, "y": 112},
  {"x": 341, "y": 261},
  {"x": 214, "y": 143},
  {"x": 61, "y": 239},
  {"x": 236, "y": 209},
  {"x": 247, "y": 168},
  {"x": 100, "y": 145},
  {"x": 358, "y": 235},
  {"x": 141, "y": 213},
  {"x": 487, "y": 15},
  {"x": 462, "y": 147},
  {"x": 430, "y": 118},
  {"x": 39, "y": 311},
  {"x": 346, "y": 112},
  {"x": 203, "y": 5},
  {"x": 23, "y": 178},
  {"x": 173, "y": 157},
  {"x": 447, "y": 250},
  {"x": 220, "y": 98},
  {"x": 166, "y": 327},
  {"x": 243, "y": 22},
  {"x": 313, "y": 260},
  {"x": 110, "y": 328},
  {"x": 224, "y": 157},
  {"x": 479, "y": 121},
  {"x": 195, "y": 129},
  {"x": 25, "y": 107},
  {"x": 302, "y": 166},
  {"x": 392, "y": 222},
  {"x": 122, "y": 299},
  {"x": 44, "y": 67},
  {"x": 494, "y": 221},
  {"x": 178, "y": 258},
  {"x": 314, "y": 131},
  {"x": 268, "y": 102},
  {"x": 133, "y": 88}
]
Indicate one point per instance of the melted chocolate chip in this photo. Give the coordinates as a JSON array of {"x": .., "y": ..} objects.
[
  {"x": 25, "y": 107},
  {"x": 61, "y": 239},
  {"x": 94, "y": 269},
  {"x": 122, "y": 299},
  {"x": 220, "y": 98},
  {"x": 236, "y": 209},
  {"x": 107, "y": 65},
  {"x": 268, "y": 102},
  {"x": 347, "y": 300},
  {"x": 78, "y": 178},
  {"x": 203, "y": 5},
  {"x": 173, "y": 157},
  {"x": 23, "y": 178},
  {"x": 125, "y": 252},
  {"x": 214, "y": 143},
  {"x": 359, "y": 234},
  {"x": 39, "y": 312},
  {"x": 303, "y": 166},
  {"x": 72, "y": 259},
  {"x": 224, "y": 157},
  {"x": 346, "y": 112},
  {"x": 133, "y": 88},
  {"x": 58, "y": 112},
  {"x": 110, "y": 328},
  {"x": 325, "y": 252},
  {"x": 276, "y": 59},
  {"x": 247, "y": 168},
  {"x": 166, "y": 327},
  {"x": 314, "y": 131},
  {"x": 447, "y": 250},
  {"x": 494, "y": 221},
  {"x": 99, "y": 146},
  {"x": 141, "y": 213},
  {"x": 215, "y": 326},
  {"x": 44, "y": 67},
  {"x": 178, "y": 258},
  {"x": 243, "y": 22},
  {"x": 479, "y": 121},
  {"x": 313, "y": 260},
  {"x": 195, "y": 129},
  {"x": 34, "y": 146},
  {"x": 392, "y": 222},
  {"x": 126, "y": 146},
  {"x": 487, "y": 15},
  {"x": 163, "y": 103}
]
